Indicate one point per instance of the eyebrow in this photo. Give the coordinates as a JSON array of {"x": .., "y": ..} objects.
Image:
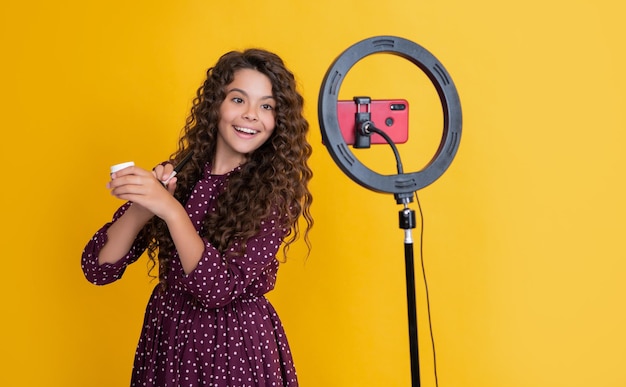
[{"x": 246, "y": 94}]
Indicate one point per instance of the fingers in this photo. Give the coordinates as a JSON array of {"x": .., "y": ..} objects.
[
  {"x": 171, "y": 185},
  {"x": 163, "y": 172},
  {"x": 122, "y": 186},
  {"x": 132, "y": 170},
  {"x": 137, "y": 181},
  {"x": 126, "y": 176},
  {"x": 166, "y": 175},
  {"x": 146, "y": 188},
  {"x": 160, "y": 172}
]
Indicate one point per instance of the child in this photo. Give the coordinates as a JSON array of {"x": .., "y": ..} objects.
[{"x": 243, "y": 190}]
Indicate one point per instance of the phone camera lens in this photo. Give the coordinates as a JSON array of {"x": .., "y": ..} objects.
[{"x": 398, "y": 106}]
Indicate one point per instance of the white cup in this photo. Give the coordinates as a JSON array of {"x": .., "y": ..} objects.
[{"x": 119, "y": 167}]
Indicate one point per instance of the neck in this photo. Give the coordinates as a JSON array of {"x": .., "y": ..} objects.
[{"x": 221, "y": 166}]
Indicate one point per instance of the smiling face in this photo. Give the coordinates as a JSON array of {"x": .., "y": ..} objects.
[{"x": 247, "y": 118}]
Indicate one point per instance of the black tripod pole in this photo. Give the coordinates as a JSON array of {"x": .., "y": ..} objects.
[{"x": 407, "y": 222}]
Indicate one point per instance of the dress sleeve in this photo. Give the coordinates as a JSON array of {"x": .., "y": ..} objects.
[
  {"x": 107, "y": 273},
  {"x": 220, "y": 278}
]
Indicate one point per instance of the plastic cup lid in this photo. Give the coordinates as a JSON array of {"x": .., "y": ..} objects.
[{"x": 119, "y": 167}]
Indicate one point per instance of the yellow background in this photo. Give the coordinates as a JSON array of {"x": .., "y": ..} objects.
[{"x": 523, "y": 239}]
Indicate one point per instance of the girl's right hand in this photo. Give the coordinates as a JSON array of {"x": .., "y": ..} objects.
[{"x": 146, "y": 188}]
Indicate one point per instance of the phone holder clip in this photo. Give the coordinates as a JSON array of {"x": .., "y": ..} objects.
[{"x": 363, "y": 122}]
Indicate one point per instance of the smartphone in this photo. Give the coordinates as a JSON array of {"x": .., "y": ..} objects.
[{"x": 389, "y": 115}]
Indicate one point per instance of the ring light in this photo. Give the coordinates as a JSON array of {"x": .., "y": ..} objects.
[
  {"x": 402, "y": 185},
  {"x": 331, "y": 134}
]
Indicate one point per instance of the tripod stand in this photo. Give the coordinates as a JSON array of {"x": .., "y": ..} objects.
[
  {"x": 407, "y": 223},
  {"x": 402, "y": 185}
]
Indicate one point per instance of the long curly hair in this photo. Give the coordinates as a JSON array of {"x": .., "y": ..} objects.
[{"x": 274, "y": 177}]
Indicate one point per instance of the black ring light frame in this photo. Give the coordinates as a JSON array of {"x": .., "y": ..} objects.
[
  {"x": 402, "y": 185},
  {"x": 406, "y": 183}
]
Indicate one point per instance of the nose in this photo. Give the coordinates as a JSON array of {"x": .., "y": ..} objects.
[{"x": 250, "y": 114}]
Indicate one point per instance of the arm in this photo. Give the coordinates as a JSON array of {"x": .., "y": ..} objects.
[
  {"x": 105, "y": 273},
  {"x": 122, "y": 233},
  {"x": 150, "y": 198},
  {"x": 116, "y": 244},
  {"x": 189, "y": 245},
  {"x": 218, "y": 278}
]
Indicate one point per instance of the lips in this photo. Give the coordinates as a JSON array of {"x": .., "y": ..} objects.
[{"x": 246, "y": 130}]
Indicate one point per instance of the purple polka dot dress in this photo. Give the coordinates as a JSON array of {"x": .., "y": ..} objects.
[{"x": 214, "y": 326}]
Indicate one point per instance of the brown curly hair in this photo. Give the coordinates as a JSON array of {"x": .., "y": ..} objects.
[{"x": 274, "y": 177}]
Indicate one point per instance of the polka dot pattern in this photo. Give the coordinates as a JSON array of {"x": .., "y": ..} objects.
[{"x": 214, "y": 326}]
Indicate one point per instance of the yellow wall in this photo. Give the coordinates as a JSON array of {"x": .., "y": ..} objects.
[{"x": 523, "y": 242}]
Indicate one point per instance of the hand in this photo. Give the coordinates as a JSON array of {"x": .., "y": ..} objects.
[
  {"x": 163, "y": 173},
  {"x": 146, "y": 189}
]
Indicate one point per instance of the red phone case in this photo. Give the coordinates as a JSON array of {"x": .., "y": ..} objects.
[{"x": 389, "y": 115}]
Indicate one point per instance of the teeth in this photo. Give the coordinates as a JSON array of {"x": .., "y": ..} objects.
[{"x": 245, "y": 130}]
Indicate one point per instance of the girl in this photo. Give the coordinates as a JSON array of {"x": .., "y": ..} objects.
[{"x": 243, "y": 190}]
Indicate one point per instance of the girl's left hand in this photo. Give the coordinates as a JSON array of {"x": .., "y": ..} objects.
[{"x": 146, "y": 188}]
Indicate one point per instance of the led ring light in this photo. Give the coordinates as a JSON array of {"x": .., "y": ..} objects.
[{"x": 342, "y": 155}]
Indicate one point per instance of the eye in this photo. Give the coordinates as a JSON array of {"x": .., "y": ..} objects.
[
  {"x": 267, "y": 106},
  {"x": 237, "y": 100}
]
